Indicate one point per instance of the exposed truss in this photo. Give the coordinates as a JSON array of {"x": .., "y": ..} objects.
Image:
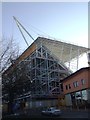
[
  {"x": 40, "y": 69},
  {"x": 64, "y": 52},
  {"x": 38, "y": 74}
]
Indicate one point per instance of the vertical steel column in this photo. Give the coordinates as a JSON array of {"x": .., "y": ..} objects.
[
  {"x": 46, "y": 71},
  {"x": 41, "y": 47},
  {"x": 70, "y": 56},
  {"x": 48, "y": 83},
  {"x": 40, "y": 71},
  {"x": 77, "y": 58},
  {"x": 36, "y": 51},
  {"x": 88, "y": 58},
  {"x": 35, "y": 71},
  {"x": 47, "y": 76},
  {"x": 62, "y": 52}
]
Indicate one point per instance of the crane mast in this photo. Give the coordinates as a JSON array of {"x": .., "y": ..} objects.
[{"x": 19, "y": 24}]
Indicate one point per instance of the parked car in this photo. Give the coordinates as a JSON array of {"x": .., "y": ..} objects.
[{"x": 51, "y": 111}]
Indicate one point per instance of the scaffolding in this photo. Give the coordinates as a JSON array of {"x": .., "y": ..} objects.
[{"x": 38, "y": 72}]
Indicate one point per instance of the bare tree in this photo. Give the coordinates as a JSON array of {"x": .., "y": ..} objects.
[{"x": 9, "y": 53}]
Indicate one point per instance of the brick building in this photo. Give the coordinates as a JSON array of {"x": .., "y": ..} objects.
[{"x": 76, "y": 88}]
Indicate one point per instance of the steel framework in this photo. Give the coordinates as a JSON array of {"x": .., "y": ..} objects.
[
  {"x": 38, "y": 75},
  {"x": 39, "y": 71}
]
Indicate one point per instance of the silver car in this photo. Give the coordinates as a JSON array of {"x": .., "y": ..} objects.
[{"x": 51, "y": 111}]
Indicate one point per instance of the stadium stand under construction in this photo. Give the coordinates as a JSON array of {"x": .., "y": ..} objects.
[{"x": 39, "y": 70}]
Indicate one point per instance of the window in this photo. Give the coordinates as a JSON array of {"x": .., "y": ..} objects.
[
  {"x": 82, "y": 81},
  {"x": 84, "y": 95},
  {"x": 75, "y": 84},
  {"x": 69, "y": 86},
  {"x": 66, "y": 87},
  {"x": 78, "y": 95}
]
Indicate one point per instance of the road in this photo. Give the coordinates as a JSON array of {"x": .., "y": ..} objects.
[{"x": 66, "y": 113}]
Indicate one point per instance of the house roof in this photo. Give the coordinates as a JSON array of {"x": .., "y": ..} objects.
[{"x": 75, "y": 73}]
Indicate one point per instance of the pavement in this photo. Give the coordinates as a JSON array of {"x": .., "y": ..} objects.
[{"x": 36, "y": 113}]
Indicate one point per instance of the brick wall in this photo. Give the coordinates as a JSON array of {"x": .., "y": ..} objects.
[{"x": 81, "y": 74}]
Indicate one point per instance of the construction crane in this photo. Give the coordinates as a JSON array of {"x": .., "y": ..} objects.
[{"x": 19, "y": 24}]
